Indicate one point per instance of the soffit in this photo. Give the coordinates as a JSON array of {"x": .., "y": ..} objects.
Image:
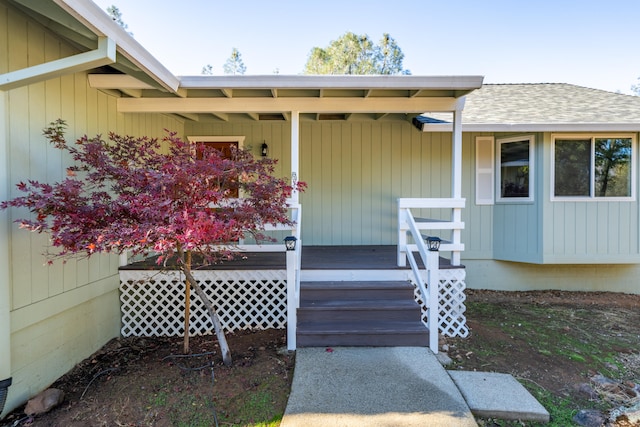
[{"x": 81, "y": 23}]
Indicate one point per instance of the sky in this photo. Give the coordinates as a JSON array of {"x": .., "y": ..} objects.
[{"x": 590, "y": 43}]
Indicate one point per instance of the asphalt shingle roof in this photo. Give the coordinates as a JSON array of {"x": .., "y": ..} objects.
[{"x": 545, "y": 103}]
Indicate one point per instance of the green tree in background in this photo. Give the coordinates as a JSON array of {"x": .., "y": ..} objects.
[
  {"x": 234, "y": 64},
  {"x": 116, "y": 15},
  {"x": 636, "y": 88},
  {"x": 357, "y": 54}
]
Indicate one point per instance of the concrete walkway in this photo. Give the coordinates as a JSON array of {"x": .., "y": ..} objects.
[
  {"x": 373, "y": 386},
  {"x": 398, "y": 387}
]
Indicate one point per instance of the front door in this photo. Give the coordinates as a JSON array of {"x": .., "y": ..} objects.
[{"x": 225, "y": 148}]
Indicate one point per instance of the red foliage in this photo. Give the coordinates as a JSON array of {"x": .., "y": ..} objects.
[{"x": 152, "y": 197}]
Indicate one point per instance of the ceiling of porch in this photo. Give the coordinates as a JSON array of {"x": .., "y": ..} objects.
[{"x": 226, "y": 98}]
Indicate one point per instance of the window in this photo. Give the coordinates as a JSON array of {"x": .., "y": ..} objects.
[
  {"x": 592, "y": 167},
  {"x": 515, "y": 169}
]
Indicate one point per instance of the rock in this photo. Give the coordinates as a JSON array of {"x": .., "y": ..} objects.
[
  {"x": 587, "y": 390},
  {"x": 589, "y": 418},
  {"x": 445, "y": 348},
  {"x": 444, "y": 359},
  {"x": 601, "y": 380},
  {"x": 44, "y": 402}
]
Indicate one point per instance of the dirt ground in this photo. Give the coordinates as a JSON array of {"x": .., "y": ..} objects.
[{"x": 552, "y": 341}]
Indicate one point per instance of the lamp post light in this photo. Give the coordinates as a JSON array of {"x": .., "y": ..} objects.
[
  {"x": 433, "y": 243},
  {"x": 290, "y": 243}
]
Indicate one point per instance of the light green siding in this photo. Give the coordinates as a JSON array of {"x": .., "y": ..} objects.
[
  {"x": 585, "y": 232},
  {"x": 517, "y": 276},
  {"x": 355, "y": 172},
  {"x": 62, "y": 313}
]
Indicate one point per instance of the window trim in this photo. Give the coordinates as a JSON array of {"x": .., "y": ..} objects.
[
  {"x": 530, "y": 198},
  {"x": 218, "y": 138},
  {"x": 592, "y": 197}
]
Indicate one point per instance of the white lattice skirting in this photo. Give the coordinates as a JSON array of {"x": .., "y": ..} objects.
[
  {"x": 153, "y": 301},
  {"x": 451, "y": 300}
]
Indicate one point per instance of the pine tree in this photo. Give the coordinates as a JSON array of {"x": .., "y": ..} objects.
[{"x": 234, "y": 64}]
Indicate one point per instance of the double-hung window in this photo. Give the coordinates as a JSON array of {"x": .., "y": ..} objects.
[
  {"x": 593, "y": 167},
  {"x": 515, "y": 169}
]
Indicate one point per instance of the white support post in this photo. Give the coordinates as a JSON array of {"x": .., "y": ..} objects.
[
  {"x": 292, "y": 297},
  {"x": 295, "y": 153},
  {"x": 456, "y": 170},
  {"x": 433, "y": 283},
  {"x": 402, "y": 236},
  {"x": 5, "y": 258},
  {"x": 456, "y": 181}
]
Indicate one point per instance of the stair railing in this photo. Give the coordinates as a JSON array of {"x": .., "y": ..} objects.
[
  {"x": 428, "y": 280},
  {"x": 429, "y": 288}
]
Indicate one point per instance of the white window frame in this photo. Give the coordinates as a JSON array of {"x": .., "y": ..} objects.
[
  {"x": 500, "y": 142},
  {"x": 592, "y": 197},
  {"x": 485, "y": 153}
]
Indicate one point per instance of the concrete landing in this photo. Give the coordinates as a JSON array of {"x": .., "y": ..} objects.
[
  {"x": 493, "y": 395},
  {"x": 373, "y": 387}
]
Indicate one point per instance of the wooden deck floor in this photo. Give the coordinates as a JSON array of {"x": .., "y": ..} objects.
[{"x": 382, "y": 257}]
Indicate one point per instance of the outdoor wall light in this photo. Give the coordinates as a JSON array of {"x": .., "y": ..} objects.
[
  {"x": 433, "y": 243},
  {"x": 264, "y": 149},
  {"x": 290, "y": 243}
]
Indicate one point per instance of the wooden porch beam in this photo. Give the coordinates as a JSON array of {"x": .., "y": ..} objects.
[
  {"x": 188, "y": 116},
  {"x": 221, "y": 116},
  {"x": 276, "y": 105}
]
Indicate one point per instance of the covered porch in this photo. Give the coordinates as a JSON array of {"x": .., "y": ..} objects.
[{"x": 377, "y": 188}]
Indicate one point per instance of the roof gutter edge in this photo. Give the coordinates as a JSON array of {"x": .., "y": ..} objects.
[
  {"x": 534, "y": 127},
  {"x": 100, "y": 24}
]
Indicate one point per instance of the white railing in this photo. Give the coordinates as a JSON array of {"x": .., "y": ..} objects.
[
  {"x": 408, "y": 226},
  {"x": 447, "y": 227}
]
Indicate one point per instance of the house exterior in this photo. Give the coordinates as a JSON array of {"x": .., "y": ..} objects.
[
  {"x": 360, "y": 142},
  {"x": 556, "y": 236}
]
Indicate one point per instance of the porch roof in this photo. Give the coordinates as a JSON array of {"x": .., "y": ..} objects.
[{"x": 143, "y": 84}]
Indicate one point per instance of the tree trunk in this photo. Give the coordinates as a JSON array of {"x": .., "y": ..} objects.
[
  {"x": 187, "y": 306},
  {"x": 217, "y": 326}
]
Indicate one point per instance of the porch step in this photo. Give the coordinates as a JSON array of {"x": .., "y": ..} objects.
[
  {"x": 350, "y": 290},
  {"x": 350, "y": 313}
]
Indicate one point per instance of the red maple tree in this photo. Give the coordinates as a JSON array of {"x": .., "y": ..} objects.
[{"x": 146, "y": 196}]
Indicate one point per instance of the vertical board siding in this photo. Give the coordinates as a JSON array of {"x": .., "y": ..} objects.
[
  {"x": 62, "y": 313},
  {"x": 355, "y": 173},
  {"x": 30, "y": 156}
]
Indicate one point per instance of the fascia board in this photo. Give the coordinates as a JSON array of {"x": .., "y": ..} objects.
[
  {"x": 535, "y": 127},
  {"x": 102, "y": 25}
]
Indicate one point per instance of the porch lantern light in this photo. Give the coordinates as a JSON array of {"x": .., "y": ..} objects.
[
  {"x": 264, "y": 149},
  {"x": 290, "y": 243},
  {"x": 433, "y": 243}
]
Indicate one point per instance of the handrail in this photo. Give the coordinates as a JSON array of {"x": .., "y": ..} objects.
[
  {"x": 454, "y": 225},
  {"x": 430, "y": 289}
]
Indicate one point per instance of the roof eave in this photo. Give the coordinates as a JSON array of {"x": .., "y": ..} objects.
[
  {"x": 534, "y": 127},
  {"x": 95, "y": 19},
  {"x": 463, "y": 84}
]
